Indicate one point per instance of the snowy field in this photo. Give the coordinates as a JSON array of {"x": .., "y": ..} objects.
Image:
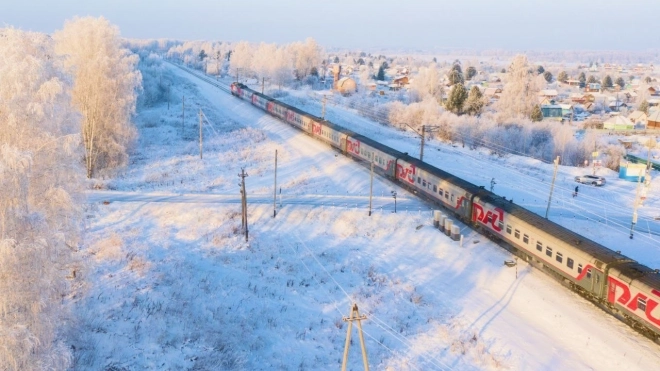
[{"x": 172, "y": 284}]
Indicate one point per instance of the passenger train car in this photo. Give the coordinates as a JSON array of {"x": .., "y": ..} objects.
[{"x": 618, "y": 284}]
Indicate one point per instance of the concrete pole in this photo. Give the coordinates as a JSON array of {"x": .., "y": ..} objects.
[
  {"x": 275, "y": 188},
  {"x": 634, "y": 218},
  {"x": 552, "y": 187},
  {"x": 421, "y": 150},
  {"x": 371, "y": 185}
]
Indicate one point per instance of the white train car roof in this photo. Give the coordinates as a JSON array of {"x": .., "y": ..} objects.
[{"x": 565, "y": 235}]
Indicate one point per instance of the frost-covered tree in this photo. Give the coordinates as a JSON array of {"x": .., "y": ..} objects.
[
  {"x": 519, "y": 94},
  {"x": 427, "y": 83},
  {"x": 582, "y": 78},
  {"x": 241, "y": 59},
  {"x": 455, "y": 77},
  {"x": 475, "y": 101},
  {"x": 607, "y": 82},
  {"x": 105, "y": 89},
  {"x": 540, "y": 69},
  {"x": 456, "y": 99},
  {"x": 40, "y": 187},
  {"x": 644, "y": 107},
  {"x": 263, "y": 60},
  {"x": 306, "y": 56},
  {"x": 620, "y": 81},
  {"x": 563, "y": 76},
  {"x": 470, "y": 73},
  {"x": 547, "y": 75},
  {"x": 381, "y": 74},
  {"x": 537, "y": 114},
  {"x": 592, "y": 79}
]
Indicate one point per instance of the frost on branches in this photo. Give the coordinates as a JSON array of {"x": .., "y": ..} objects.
[
  {"x": 520, "y": 91},
  {"x": 40, "y": 184},
  {"x": 106, "y": 80}
]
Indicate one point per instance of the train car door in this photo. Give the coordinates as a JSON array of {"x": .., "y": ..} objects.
[{"x": 343, "y": 144}]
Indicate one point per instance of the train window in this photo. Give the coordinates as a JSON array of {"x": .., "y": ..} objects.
[
  {"x": 440, "y": 191},
  {"x": 569, "y": 263},
  {"x": 424, "y": 182},
  {"x": 641, "y": 304},
  {"x": 435, "y": 188},
  {"x": 588, "y": 272},
  {"x": 525, "y": 238},
  {"x": 579, "y": 268},
  {"x": 419, "y": 180},
  {"x": 560, "y": 257},
  {"x": 500, "y": 224},
  {"x": 539, "y": 245},
  {"x": 508, "y": 229},
  {"x": 548, "y": 251},
  {"x": 517, "y": 234},
  {"x": 447, "y": 195},
  {"x": 452, "y": 198}
]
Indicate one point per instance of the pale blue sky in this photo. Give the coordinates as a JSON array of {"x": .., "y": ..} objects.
[{"x": 419, "y": 24}]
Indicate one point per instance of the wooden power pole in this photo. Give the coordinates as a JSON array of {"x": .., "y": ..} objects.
[
  {"x": 355, "y": 316},
  {"x": 323, "y": 109},
  {"x": 244, "y": 224},
  {"x": 421, "y": 150}
]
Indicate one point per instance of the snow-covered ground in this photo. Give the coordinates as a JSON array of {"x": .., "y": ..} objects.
[{"x": 173, "y": 285}]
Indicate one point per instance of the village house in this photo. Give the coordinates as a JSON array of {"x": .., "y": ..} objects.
[
  {"x": 639, "y": 118},
  {"x": 548, "y": 93},
  {"x": 592, "y": 87},
  {"x": 552, "y": 112},
  {"x": 572, "y": 82}
]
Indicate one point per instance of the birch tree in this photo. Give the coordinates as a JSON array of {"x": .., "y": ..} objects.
[
  {"x": 106, "y": 80},
  {"x": 520, "y": 91},
  {"x": 40, "y": 187}
]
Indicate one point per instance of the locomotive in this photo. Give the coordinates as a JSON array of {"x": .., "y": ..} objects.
[{"x": 616, "y": 283}]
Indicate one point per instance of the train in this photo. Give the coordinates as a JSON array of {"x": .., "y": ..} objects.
[{"x": 616, "y": 283}]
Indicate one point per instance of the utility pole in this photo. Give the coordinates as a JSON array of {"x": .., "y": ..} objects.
[
  {"x": 200, "y": 134},
  {"x": 355, "y": 316},
  {"x": 594, "y": 155},
  {"x": 552, "y": 186},
  {"x": 168, "y": 97},
  {"x": 244, "y": 224},
  {"x": 635, "y": 205},
  {"x": 371, "y": 185},
  {"x": 394, "y": 195},
  {"x": 275, "y": 188},
  {"x": 323, "y": 109},
  {"x": 421, "y": 150},
  {"x": 492, "y": 184},
  {"x": 183, "y": 113},
  {"x": 263, "y": 79}
]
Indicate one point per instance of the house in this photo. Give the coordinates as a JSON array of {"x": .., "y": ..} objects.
[
  {"x": 653, "y": 121},
  {"x": 545, "y": 101},
  {"x": 566, "y": 109},
  {"x": 571, "y": 82},
  {"x": 492, "y": 93},
  {"x": 346, "y": 86},
  {"x": 616, "y": 105},
  {"x": 548, "y": 93},
  {"x": 653, "y": 91},
  {"x": 638, "y": 118},
  {"x": 653, "y": 102},
  {"x": 401, "y": 81},
  {"x": 552, "y": 112},
  {"x": 592, "y": 87},
  {"x": 618, "y": 123}
]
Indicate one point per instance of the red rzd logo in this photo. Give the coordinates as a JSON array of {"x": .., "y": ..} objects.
[{"x": 489, "y": 217}]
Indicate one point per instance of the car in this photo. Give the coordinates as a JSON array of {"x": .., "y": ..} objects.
[{"x": 590, "y": 179}]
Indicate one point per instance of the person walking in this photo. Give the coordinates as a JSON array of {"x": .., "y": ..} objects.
[{"x": 576, "y": 191}]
